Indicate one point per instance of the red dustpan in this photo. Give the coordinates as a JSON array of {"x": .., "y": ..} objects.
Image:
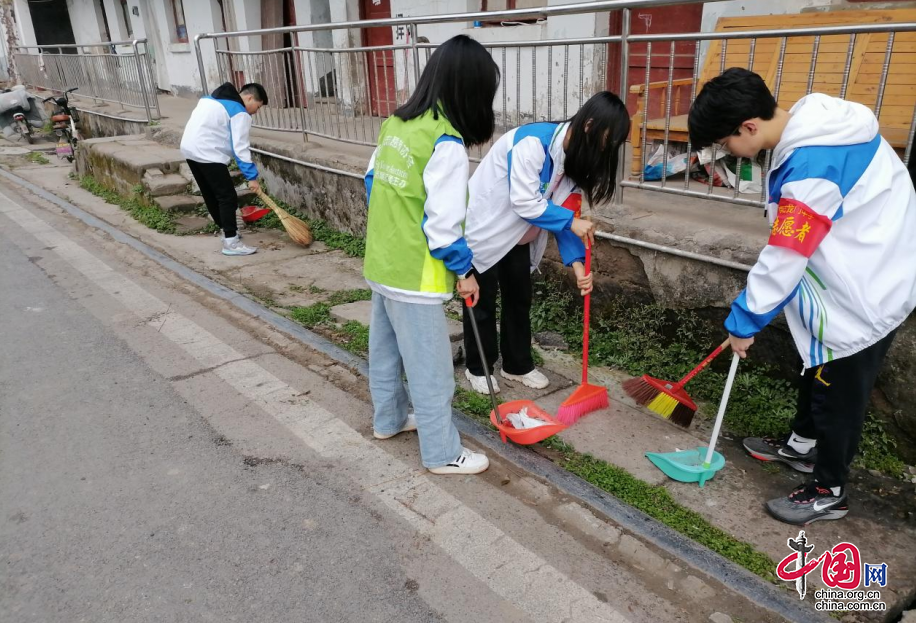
[
  {"x": 523, "y": 436},
  {"x": 250, "y": 214}
]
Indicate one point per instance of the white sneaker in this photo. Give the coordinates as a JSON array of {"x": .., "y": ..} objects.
[
  {"x": 533, "y": 379},
  {"x": 480, "y": 384},
  {"x": 410, "y": 425},
  {"x": 467, "y": 463},
  {"x": 234, "y": 246}
]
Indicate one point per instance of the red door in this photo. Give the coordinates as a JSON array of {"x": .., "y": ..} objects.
[
  {"x": 682, "y": 18},
  {"x": 380, "y": 63}
]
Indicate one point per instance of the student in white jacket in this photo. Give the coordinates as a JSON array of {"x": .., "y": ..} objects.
[
  {"x": 217, "y": 132},
  {"x": 529, "y": 184},
  {"x": 840, "y": 262}
]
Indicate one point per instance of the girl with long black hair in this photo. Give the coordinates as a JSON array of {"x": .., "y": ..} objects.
[{"x": 532, "y": 182}]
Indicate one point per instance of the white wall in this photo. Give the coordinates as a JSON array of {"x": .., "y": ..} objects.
[
  {"x": 86, "y": 20},
  {"x": 177, "y": 66},
  {"x": 24, "y": 23}
]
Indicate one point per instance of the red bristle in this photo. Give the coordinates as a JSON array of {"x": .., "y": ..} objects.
[
  {"x": 682, "y": 416},
  {"x": 568, "y": 414},
  {"x": 585, "y": 399}
]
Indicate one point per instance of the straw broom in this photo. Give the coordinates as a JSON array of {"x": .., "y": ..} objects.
[
  {"x": 669, "y": 399},
  {"x": 296, "y": 229}
]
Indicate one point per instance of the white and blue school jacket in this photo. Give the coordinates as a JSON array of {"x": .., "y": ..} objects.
[
  {"x": 217, "y": 131},
  {"x": 841, "y": 256},
  {"x": 520, "y": 183}
]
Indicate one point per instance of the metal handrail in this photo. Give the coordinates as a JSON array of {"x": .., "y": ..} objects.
[{"x": 142, "y": 71}]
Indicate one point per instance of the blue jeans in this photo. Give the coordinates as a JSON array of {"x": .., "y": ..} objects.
[{"x": 413, "y": 338}]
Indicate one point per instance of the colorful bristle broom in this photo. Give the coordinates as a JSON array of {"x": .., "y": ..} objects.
[
  {"x": 586, "y": 398},
  {"x": 666, "y": 398}
]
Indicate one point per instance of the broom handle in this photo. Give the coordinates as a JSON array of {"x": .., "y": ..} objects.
[
  {"x": 701, "y": 366},
  {"x": 721, "y": 410},
  {"x": 484, "y": 359},
  {"x": 586, "y": 320},
  {"x": 270, "y": 203}
]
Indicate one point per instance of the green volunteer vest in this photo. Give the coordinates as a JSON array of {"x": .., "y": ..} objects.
[{"x": 397, "y": 254}]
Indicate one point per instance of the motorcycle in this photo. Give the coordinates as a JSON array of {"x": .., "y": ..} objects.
[
  {"x": 19, "y": 113},
  {"x": 64, "y": 122}
]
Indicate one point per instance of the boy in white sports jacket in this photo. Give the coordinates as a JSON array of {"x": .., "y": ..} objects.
[
  {"x": 840, "y": 262},
  {"x": 216, "y": 132}
]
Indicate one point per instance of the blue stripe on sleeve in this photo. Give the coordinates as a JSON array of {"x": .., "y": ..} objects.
[
  {"x": 744, "y": 323},
  {"x": 456, "y": 256},
  {"x": 571, "y": 247},
  {"x": 368, "y": 183},
  {"x": 555, "y": 218}
]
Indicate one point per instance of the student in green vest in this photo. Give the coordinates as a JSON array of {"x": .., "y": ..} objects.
[{"x": 417, "y": 188}]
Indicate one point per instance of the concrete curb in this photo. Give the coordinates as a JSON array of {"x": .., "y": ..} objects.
[{"x": 782, "y": 603}]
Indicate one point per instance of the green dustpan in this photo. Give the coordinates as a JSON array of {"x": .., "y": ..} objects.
[
  {"x": 698, "y": 464},
  {"x": 688, "y": 465}
]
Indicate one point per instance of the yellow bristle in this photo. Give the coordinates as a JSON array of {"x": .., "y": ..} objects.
[{"x": 663, "y": 405}]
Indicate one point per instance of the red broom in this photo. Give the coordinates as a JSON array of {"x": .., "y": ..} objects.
[
  {"x": 586, "y": 398},
  {"x": 669, "y": 399}
]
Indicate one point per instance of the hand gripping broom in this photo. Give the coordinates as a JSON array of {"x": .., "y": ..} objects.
[
  {"x": 296, "y": 229},
  {"x": 586, "y": 398}
]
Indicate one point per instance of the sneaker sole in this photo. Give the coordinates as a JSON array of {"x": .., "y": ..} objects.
[
  {"x": 800, "y": 466},
  {"x": 520, "y": 379},
  {"x": 478, "y": 391},
  {"x": 827, "y": 516},
  {"x": 457, "y": 471},
  {"x": 381, "y": 436},
  {"x": 238, "y": 254}
]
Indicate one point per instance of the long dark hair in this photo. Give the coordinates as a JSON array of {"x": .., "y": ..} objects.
[
  {"x": 459, "y": 81},
  {"x": 591, "y": 158}
]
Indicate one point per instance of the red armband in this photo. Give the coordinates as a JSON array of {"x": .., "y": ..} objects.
[
  {"x": 798, "y": 228},
  {"x": 573, "y": 203}
]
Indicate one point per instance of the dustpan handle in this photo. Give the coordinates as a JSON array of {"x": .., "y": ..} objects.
[
  {"x": 721, "y": 410},
  {"x": 484, "y": 359}
]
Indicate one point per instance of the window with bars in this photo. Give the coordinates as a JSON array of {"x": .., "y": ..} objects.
[{"x": 508, "y": 5}]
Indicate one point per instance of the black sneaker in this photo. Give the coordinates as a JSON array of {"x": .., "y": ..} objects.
[
  {"x": 772, "y": 449},
  {"x": 808, "y": 503}
]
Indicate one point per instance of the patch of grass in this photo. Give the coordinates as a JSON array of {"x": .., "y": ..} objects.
[
  {"x": 317, "y": 290},
  {"x": 474, "y": 404},
  {"x": 536, "y": 356},
  {"x": 37, "y": 157},
  {"x": 313, "y": 315},
  {"x": 356, "y": 337},
  {"x": 659, "y": 504},
  {"x": 353, "y": 336},
  {"x": 295, "y": 288},
  {"x": 135, "y": 205},
  {"x": 878, "y": 449},
  {"x": 341, "y": 297}
]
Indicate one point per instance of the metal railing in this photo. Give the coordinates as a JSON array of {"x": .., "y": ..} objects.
[
  {"x": 345, "y": 92},
  {"x": 98, "y": 70}
]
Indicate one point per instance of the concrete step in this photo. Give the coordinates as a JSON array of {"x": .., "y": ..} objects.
[
  {"x": 179, "y": 203},
  {"x": 360, "y": 311},
  {"x": 162, "y": 185}
]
